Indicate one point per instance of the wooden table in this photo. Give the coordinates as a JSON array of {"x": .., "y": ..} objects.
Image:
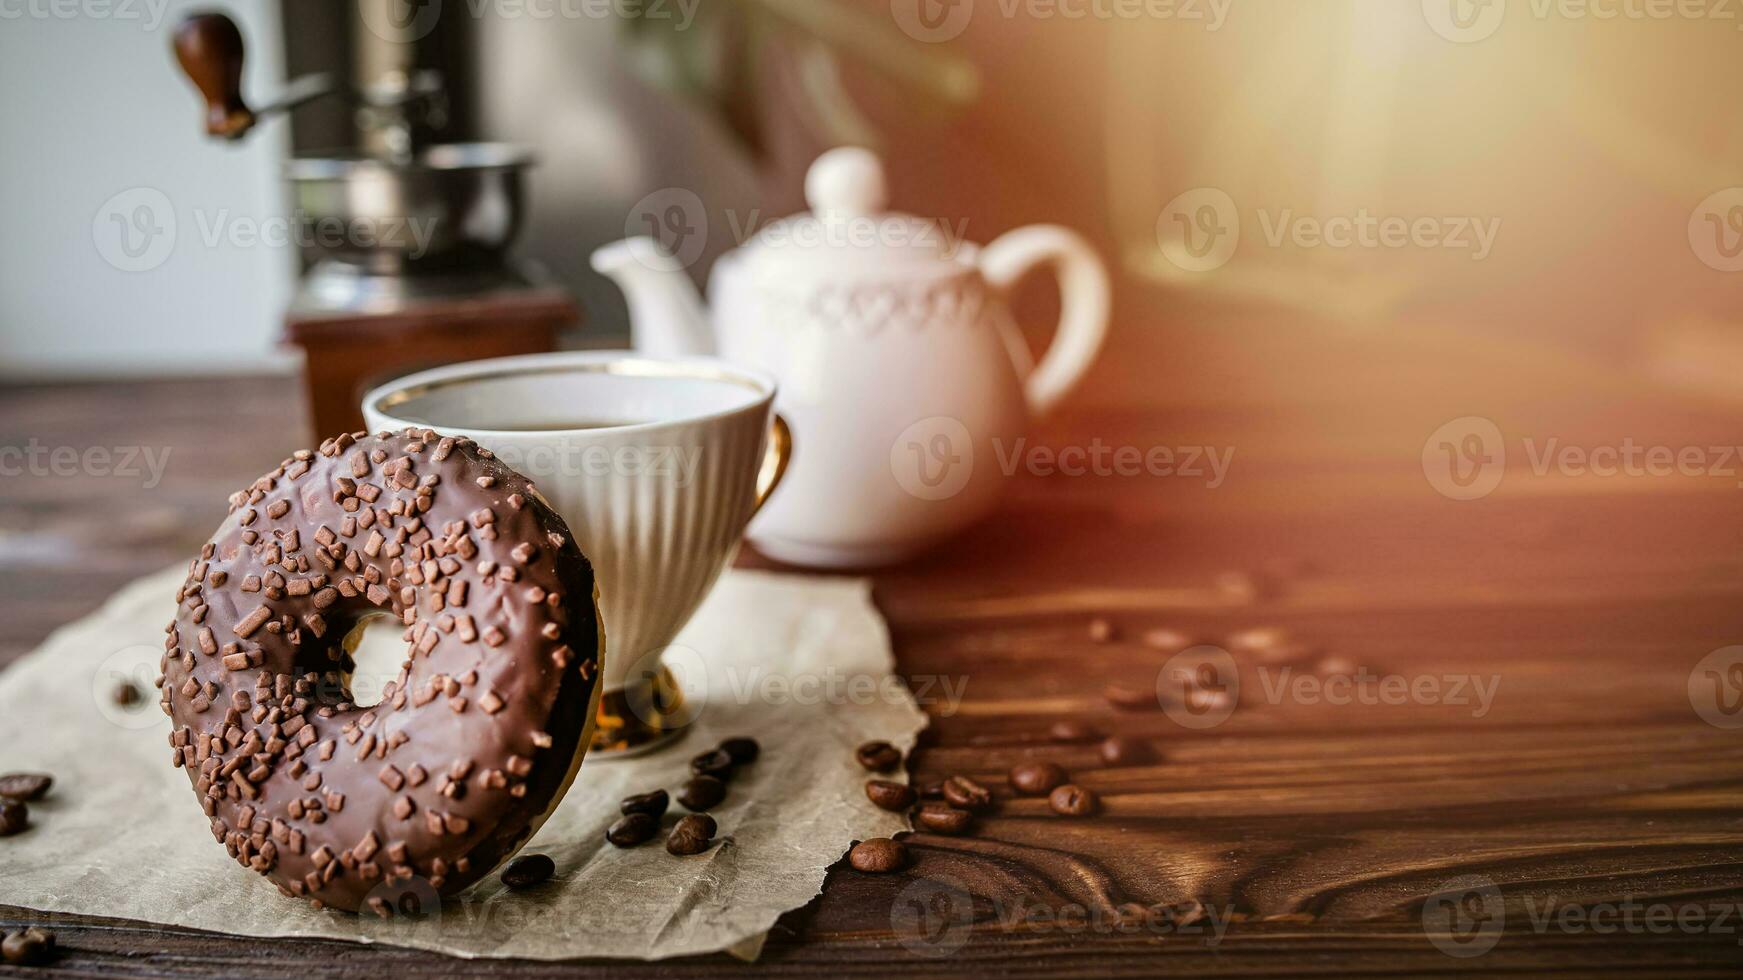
[{"x": 1316, "y": 834}]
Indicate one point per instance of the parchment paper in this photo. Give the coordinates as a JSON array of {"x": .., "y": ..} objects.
[{"x": 802, "y": 664}]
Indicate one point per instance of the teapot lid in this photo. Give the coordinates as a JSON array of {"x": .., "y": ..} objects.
[{"x": 848, "y": 233}]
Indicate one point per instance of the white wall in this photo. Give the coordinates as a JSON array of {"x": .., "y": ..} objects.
[{"x": 93, "y": 106}]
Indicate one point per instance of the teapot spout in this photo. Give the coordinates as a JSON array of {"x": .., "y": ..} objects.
[{"x": 666, "y": 315}]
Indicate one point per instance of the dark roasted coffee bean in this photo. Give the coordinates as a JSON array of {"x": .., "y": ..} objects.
[
  {"x": 633, "y": 828},
  {"x": 31, "y": 947},
  {"x": 878, "y": 856},
  {"x": 933, "y": 790},
  {"x": 743, "y": 751},
  {"x": 530, "y": 870},
  {"x": 126, "y": 695},
  {"x": 702, "y": 793},
  {"x": 1118, "y": 750},
  {"x": 653, "y": 804},
  {"x": 894, "y": 797},
  {"x": 25, "y": 786},
  {"x": 1132, "y": 698},
  {"x": 1102, "y": 631},
  {"x": 692, "y": 835},
  {"x": 878, "y": 756},
  {"x": 1072, "y": 731},
  {"x": 14, "y": 817},
  {"x": 1036, "y": 778},
  {"x": 714, "y": 762},
  {"x": 1073, "y": 801},
  {"x": 964, "y": 792},
  {"x": 941, "y": 818}
]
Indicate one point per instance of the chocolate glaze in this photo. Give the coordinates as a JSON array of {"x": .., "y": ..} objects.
[{"x": 474, "y": 740}]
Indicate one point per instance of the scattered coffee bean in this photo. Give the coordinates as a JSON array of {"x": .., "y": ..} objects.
[
  {"x": 1336, "y": 665},
  {"x": 1170, "y": 640},
  {"x": 31, "y": 947},
  {"x": 1036, "y": 778},
  {"x": 941, "y": 818},
  {"x": 894, "y": 797},
  {"x": 126, "y": 695},
  {"x": 1101, "y": 631},
  {"x": 702, "y": 793},
  {"x": 933, "y": 790},
  {"x": 530, "y": 870},
  {"x": 1244, "y": 587},
  {"x": 653, "y": 804},
  {"x": 964, "y": 792},
  {"x": 1118, "y": 750},
  {"x": 878, "y": 756},
  {"x": 1132, "y": 698},
  {"x": 25, "y": 786},
  {"x": 1072, "y": 731},
  {"x": 1073, "y": 801},
  {"x": 879, "y": 855},
  {"x": 1258, "y": 638},
  {"x": 743, "y": 751},
  {"x": 1208, "y": 699},
  {"x": 633, "y": 828},
  {"x": 692, "y": 835},
  {"x": 14, "y": 817},
  {"x": 715, "y": 762}
]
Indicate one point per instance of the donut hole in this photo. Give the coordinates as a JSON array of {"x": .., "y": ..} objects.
[{"x": 378, "y": 650}]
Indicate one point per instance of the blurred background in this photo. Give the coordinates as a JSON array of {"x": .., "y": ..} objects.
[{"x": 1572, "y": 162}]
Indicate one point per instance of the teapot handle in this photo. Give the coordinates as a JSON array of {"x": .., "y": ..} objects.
[{"x": 1085, "y": 298}]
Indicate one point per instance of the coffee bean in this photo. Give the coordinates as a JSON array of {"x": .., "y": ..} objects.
[
  {"x": 702, "y": 793},
  {"x": 31, "y": 947},
  {"x": 1336, "y": 665},
  {"x": 941, "y": 818},
  {"x": 653, "y": 804},
  {"x": 715, "y": 762},
  {"x": 692, "y": 835},
  {"x": 530, "y": 870},
  {"x": 1118, "y": 750},
  {"x": 743, "y": 751},
  {"x": 1256, "y": 639},
  {"x": 964, "y": 792},
  {"x": 25, "y": 785},
  {"x": 879, "y": 855},
  {"x": 1172, "y": 641},
  {"x": 1072, "y": 731},
  {"x": 1073, "y": 801},
  {"x": 126, "y": 695},
  {"x": 894, "y": 797},
  {"x": 932, "y": 790},
  {"x": 1102, "y": 631},
  {"x": 14, "y": 817},
  {"x": 1132, "y": 698},
  {"x": 878, "y": 756},
  {"x": 633, "y": 828},
  {"x": 1036, "y": 778}
]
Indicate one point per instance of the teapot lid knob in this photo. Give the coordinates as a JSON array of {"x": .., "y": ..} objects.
[{"x": 847, "y": 181}]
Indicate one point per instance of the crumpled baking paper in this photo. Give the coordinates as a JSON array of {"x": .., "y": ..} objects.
[{"x": 802, "y": 664}]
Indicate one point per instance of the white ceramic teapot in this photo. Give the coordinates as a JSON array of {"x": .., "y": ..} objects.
[{"x": 902, "y": 375}]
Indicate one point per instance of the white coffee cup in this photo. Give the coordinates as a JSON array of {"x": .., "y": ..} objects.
[{"x": 657, "y": 465}]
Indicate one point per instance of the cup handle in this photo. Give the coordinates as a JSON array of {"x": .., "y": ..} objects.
[{"x": 775, "y": 460}]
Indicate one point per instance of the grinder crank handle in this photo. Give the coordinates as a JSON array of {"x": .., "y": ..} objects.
[{"x": 209, "y": 48}]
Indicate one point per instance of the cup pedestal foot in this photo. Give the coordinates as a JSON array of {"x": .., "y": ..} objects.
[{"x": 647, "y": 714}]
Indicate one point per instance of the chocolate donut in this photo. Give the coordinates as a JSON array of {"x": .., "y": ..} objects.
[{"x": 474, "y": 741}]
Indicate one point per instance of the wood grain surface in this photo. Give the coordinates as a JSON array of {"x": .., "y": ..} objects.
[{"x": 1582, "y": 817}]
